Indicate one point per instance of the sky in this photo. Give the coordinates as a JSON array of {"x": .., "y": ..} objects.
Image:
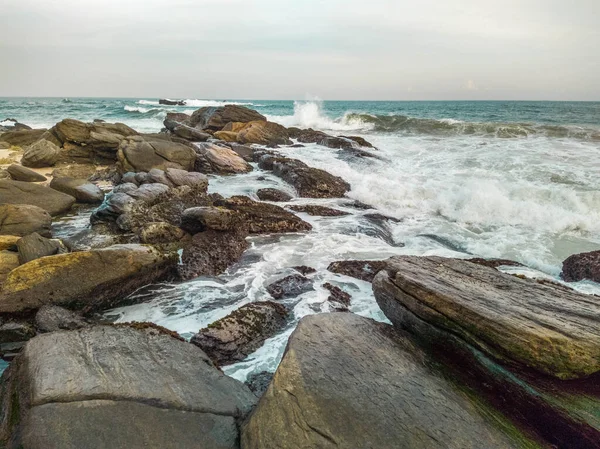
[{"x": 281, "y": 49}]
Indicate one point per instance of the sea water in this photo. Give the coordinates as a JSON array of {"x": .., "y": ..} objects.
[{"x": 514, "y": 180}]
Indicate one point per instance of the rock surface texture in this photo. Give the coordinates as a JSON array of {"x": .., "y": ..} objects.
[
  {"x": 582, "y": 266},
  {"x": 18, "y": 192}
]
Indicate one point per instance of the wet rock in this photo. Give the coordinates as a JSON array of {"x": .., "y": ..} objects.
[
  {"x": 264, "y": 218},
  {"x": 18, "y": 192},
  {"x": 130, "y": 178},
  {"x": 359, "y": 140},
  {"x": 16, "y": 331},
  {"x": 86, "y": 281},
  {"x": 290, "y": 287},
  {"x": 259, "y": 382},
  {"x": 54, "y": 318},
  {"x": 198, "y": 219},
  {"x": 80, "y": 189},
  {"x": 22, "y": 138},
  {"x": 379, "y": 391},
  {"x": 120, "y": 387},
  {"x": 321, "y": 138},
  {"x": 273, "y": 195},
  {"x": 42, "y": 153},
  {"x": 551, "y": 330},
  {"x": 100, "y": 235},
  {"x": 309, "y": 182},
  {"x": 21, "y": 219},
  {"x": 337, "y": 296},
  {"x": 365, "y": 270},
  {"x": 34, "y": 246},
  {"x": 213, "y": 158},
  {"x": 494, "y": 263},
  {"x": 158, "y": 176},
  {"x": 161, "y": 232},
  {"x": 582, "y": 266},
  {"x": 242, "y": 332},
  {"x": 212, "y": 252},
  {"x": 143, "y": 154},
  {"x": 168, "y": 102},
  {"x": 20, "y": 173},
  {"x": 215, "y": 118},
  {"x": 315, "y": 210},
  {"x": 381, "y": 219},
  {"x": 304, "y": 270}
]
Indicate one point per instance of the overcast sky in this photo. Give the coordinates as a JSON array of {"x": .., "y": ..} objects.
[{"x": 282, "y": 49}]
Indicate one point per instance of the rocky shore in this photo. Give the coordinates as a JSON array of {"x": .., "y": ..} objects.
[{"x": 473, "y": 357}]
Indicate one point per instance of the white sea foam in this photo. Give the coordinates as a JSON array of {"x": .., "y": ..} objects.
[
  {"x": 309, "y": 114},
  {"x": 148, "y": 102},
  {"x": 137, "y": 109},
  {"x": 7, "y": 123}
]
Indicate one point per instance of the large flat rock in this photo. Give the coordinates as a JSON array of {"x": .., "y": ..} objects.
[
  {"x": 543, "y": 326},
  {"x": 348, "y": 382},
  {"x": 19, "y": 192}
]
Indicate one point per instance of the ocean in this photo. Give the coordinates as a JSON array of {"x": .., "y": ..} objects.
[{"x": 514, "y": 180}]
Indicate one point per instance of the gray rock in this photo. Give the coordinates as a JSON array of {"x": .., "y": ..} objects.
[
  {"x": 16, "y": 331},
  {"x": 149, "y": 192},
  {"x": 346, "y": 381},
  {"x": 198, "y": 219},
  {"x": 213, "y": 158},
  {"x": 22, "y": 138},
  {"x": 242, "y": 332},
  {"x": 143, "y": 154},
  {"x": 34, "y": 246},
  {"x": 42, "y": 153},
  {"x": 130, "y": 178},
  {"x": 158, "y": 176},
  {"x": 365, "y": 270},
  {"x": 290, "y": 286},
  {"x": 54, "y": 318},
  {"x": 20, "y": 173},
  {"x": 82, "y": 190},
  {"x": 121, "y": 388},
  {"x": 18, "y": 192},
  {"x": 184, "y": 178},
  {"x": 22, "y": 219},
  {"x": 272, "y": 195}
]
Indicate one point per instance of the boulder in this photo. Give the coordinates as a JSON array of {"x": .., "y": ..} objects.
[
  {"x": 34, "y": 246},
  {"x": 15, "y": 331},
  {"x": 582, "y": 266},
  {"x": 338, "y": 297},
  {"x": 316, "y": 210},
  {"x": 198, "y": 219},
  {"x": 213, "y": 158},
  {"x": 290, "y": 287},
  {"x": 9, "y": 242},
  {"x": 211, "y": 252},
  {"x": 168, "y": 102},
  {"x": 264, "y": 218},
  {"x": 20, "y": 173},
  {"x": 87, "y": 281},
  {"x": 142, "y": 154},
  {"x": 242, "y": 332},
  {"x": 102, "y": 138},
  {"x": 187, "y": 132},
  {"x": 22, "y": 219},
  {"x": 215, "y": 118},
  {"x": 161, "y": 232},
  {"x": 54, "y": 318},
  {"x": 304, "y": 270},
  {"x": 379, "y": 391},
  {"x": 309, "y": 182},
  {"x": 42, "y": 153},
  {"x": 9, "y": 260},
  {"x": 365, "y": 270},
  {"x": 22, "y": 138},
  {"x": 119, "y": 388},
  {"x": 76, "y": 171},
  {"x": 536, "y": 325},
  {"x": 18, "y": 192},
  {"x": 185, "y": 178},
  {"x": 260, "y": 132},
  {"x": 272, "y": 195},
  {"x": 82, "y": 190}
]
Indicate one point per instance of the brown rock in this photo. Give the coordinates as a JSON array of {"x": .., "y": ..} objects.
[
  {"x": 17, "y": 192},
  {"x": 42, "y": 153},
  {"x": 22, "y": 219},
  {"x": 313, "y": 209},
  {"x": 216, "y": 118},
  {"x": 364, "y": 270},
  {"x": 272, "y": 195},
  {"x": 582, "y": 266},
  {"x": 20, "y": 173}
]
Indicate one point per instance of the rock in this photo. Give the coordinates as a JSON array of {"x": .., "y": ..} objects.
[
  {"x": 20, "y": 173},
  {"x": 212, "y": 252},
  {"x": 4, "y": 174},
  {"x": 103, "y": 139},
  {"x": 359, "y": 140},
  {"x": 161, "y": 232},
  {"x": 290, "y": 287},
  {"x": 260, "y": 132},
  {"x": 187, "y": 132},
  {"x": 9, "y": 242},
  {"x": 321, "y": 138},
  {"x": 315, "y": 210},
  {"x": 272, "y": 195},
  {"x": 582, "y": 266},
  {"x": 120, "y": 388},
  {"x": 82, "y": 190},
  {"x": 244, "y": 151},
  {"x": 215, "y": 118},
  {"x": 242, "y": 332},
  {"x": 220, "y": 159},
  {"x": 264, "y": 218},
  {"x": 22, "y": 138},
  {"x": 42, "y": 153},
  {"x": 139, "y": 154},
  {"x": 18, "y": 192},
  {"x": 198, "y": 219},
  {"x": 9, "y": 260},
  {"x": 176, "y": 117},
  {"x": 380, "y": 391},
  {"x": 365, "y": 270},
  {"x": 519, "y": 321},
  {"x": 158, "y": 176},
  {"x": 338, "y": 295},
  {"x": 54, "y": 318},
  {"x": 168, "y": 102},
  {"x": 149, "y": 192},
  {"x": 98, "y": 236},
  {"x": 34, "y": 246},
  {"x": 184, "y": 178},
  {"x": 21, "y": 219},
  {"x": 115, "y": 205},
  {"x": 309, "y": 182},
  {"x": 494, "y": 263},
  {"x": 75, "y": 171},
  {"x": 13, "y": 331},
  {"x": 259, "y": 382},
  {"x": 87, "y": 281},
  {"x": 304, "y": 270}
]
